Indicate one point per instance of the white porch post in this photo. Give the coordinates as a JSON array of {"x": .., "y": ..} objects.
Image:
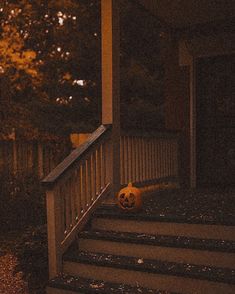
[{"x": 110, "y": 82}]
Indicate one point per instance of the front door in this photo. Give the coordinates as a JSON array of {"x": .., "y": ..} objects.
[{"x": 215, "y": 94}]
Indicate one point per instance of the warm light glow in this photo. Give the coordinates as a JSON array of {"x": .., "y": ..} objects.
[{"x": 79, "y": 82}]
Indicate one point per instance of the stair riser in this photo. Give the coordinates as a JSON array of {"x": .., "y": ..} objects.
[
  {"x": 165, "y": 228},
  {"x": 192, "y": 256},
  {"x": 149, "y": 280}
]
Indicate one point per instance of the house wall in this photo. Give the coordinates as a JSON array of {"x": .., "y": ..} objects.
[
  {"x": 177, "y": 104},
  {"x": 180, "y": 90}
]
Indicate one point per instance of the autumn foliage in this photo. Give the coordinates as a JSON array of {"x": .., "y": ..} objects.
[{"x": 50, "y": 60}]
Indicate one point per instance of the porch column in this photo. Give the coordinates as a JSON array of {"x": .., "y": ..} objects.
[{"x": 110, "y": 82}]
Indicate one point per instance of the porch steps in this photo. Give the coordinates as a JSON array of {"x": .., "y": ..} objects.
[
  {"x": 112, "y": 219},
  {"x": 67, "y": 284},
  {"x": 146, "y": 253},
  {"x": 155, "y": 274},
  {"x": 217, "y": 253}
]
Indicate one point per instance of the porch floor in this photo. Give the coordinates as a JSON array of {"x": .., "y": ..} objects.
[{"x": 191, "y": 206}]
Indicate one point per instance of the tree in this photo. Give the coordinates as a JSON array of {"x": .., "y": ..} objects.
[
  {"x": 142, "y": 101},
  {"x": 60, "y": 83},
  {"x": 54, "y": 63}
]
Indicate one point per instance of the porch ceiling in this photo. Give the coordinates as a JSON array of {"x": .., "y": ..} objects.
[{"x": 184, "y": 13}]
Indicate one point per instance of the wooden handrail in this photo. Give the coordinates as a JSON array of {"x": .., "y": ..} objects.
[
  {"x": 73, "y": 190},
  {"x": 152, "y": 133},
  {"x": 75, "y": 156}
]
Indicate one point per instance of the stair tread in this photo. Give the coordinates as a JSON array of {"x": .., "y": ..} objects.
[
  {"x": 77, "y": 284},
  {"x": 223, "y": 275},
  {"x": 161, "y": 240},
  {"x": 112, "y": 211}
]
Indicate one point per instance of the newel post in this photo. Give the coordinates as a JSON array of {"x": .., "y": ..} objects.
[
  {"x": 110, "y": 83},
  {"x": 54, "y": 232}
]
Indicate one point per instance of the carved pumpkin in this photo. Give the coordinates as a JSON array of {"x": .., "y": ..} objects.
[{"x": 129, "y": 198}]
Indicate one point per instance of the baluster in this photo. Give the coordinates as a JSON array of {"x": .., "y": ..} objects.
[
  {"x": 142, "y": 158},
  {"x": 128, "y": 159},
  {"x": 77, "y": 190},
  {"x": 88, "y": 181},
  {"x": 145, "y": 159},
  {"x": 67, "y": 205},
  {"x": 73, "y": 200},
  {"x": 63, "y": 209},
  {"x": 125, "y": 149},
  {"x": 163, "y": 158},
  {"x": 176, "y": 158},
  {"x": 172, "y": 159},
  {"x": 108, "y": 167},
  {"x": 133, "y": 160},
  {"x": 158, "y": 158},
  {"x": 168, "y": 158},
  {"x": 149, "y": 159},
  {"x": 155, "y": 158},
  {"x": 137, "y": 158},
  {"x": 93, "y": 176},
  {"x": 165, "y": 145},
  {"x": 57, "y": 191},
  {"x": 152, "y": 159},
  {"x": 82, "y": 188},
  {"x": 122, "y": 169},
  {"x": 84, "y": 178},
  {"x": 98, "y": 173},
  {"x": 102, "y": 154}
]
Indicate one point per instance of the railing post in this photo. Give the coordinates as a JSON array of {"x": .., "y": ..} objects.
[
  {"x": 54, "y": 233},
  {"x": 110, "y": 82}
]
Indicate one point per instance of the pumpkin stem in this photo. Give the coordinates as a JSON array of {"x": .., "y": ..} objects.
[{"x": 130, "y": 184}]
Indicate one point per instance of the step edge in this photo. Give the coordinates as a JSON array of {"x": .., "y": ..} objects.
[
  {"x": 160, "y": 243},
  {"x": 61, "y": 284},
  {"x": 134, "y": 267},
  {"x": 167, "y": 219}
]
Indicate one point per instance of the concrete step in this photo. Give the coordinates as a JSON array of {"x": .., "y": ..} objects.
[
  {"x": 170, "y": 248},
  {"x": 106, "y": 220},
  {"x": 68, "y": 284},
  {"x": 153, "y": 274}
]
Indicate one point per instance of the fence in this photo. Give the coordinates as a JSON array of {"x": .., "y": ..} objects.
[{"x": 31, "y": 156}]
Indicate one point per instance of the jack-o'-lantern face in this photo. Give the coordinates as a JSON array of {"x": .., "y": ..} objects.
[{"x": 129, "y": 198}]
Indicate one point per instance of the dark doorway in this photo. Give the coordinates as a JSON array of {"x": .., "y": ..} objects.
[{"x": 215, "y": 91}]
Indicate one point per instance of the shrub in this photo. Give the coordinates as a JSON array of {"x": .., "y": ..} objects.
[
  {"x": 22, "y": 201},
  {"x": 31, "y": 252}
]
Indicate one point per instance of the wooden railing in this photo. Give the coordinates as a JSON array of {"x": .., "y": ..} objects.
[
  {"x": 74, "y": 188},
  {"x": 77, "y": 185},
  {"x": 148, "y": 158}
]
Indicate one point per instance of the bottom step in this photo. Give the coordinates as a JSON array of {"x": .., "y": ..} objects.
[
  {"x": 68, "y": 284},
  {"x": 153, "y": 274}
]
